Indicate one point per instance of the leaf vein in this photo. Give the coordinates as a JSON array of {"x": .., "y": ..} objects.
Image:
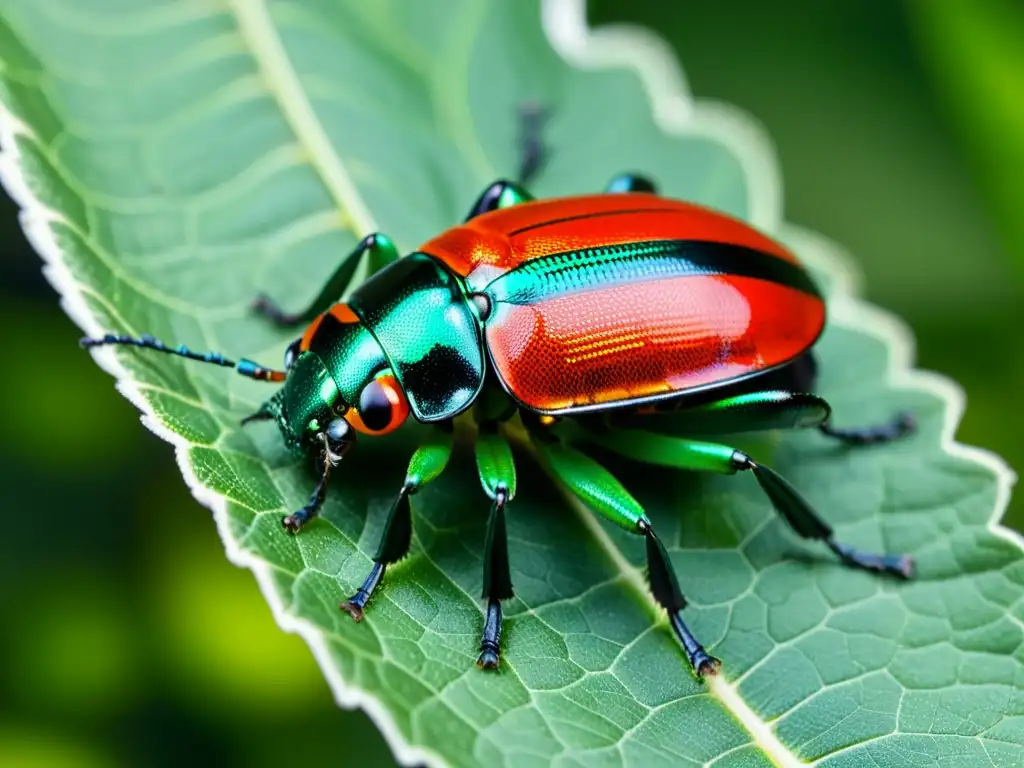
[{"x": 283, "y": 82}]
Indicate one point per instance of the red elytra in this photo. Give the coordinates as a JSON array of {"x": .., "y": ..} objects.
[{"x": 633, "y": 340}]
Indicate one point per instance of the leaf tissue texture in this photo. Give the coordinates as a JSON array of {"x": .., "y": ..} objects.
[{"x": 174, "y": 158}]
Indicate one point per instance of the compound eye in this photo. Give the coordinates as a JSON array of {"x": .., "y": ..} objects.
[
  {"x": 382, "y": 406},
  {"x": 291, "y": 353}
]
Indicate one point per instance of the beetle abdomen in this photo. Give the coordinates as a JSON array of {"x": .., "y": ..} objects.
[{"x": 638, "y": 321}]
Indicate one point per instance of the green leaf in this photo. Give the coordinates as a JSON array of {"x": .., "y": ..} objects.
[{"x": 173, "y": 159}]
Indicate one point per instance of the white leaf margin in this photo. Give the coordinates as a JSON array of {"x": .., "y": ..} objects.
[{"x": 676, "y": 113}]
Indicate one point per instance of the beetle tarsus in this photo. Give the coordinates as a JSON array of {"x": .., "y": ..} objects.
[
  {"x": 258, "y": 416},
  {"x": 706, "y": 665},
  {"x": 665, "y": 588},
  {"x": 803, "y": 519},
  {"x": 533, "y": 151},
  {"x": 489, "y": 658},
  {"x": 490, "y": 642},
  {"x": 497, "y": 580},
  {"x": 901, "y": 566},
  {"x": 702, "y": 662},
  {"x": 902, "y": 425},
  {"x": 352, "y": 608},
  {"x": 394, "y": 545},
  {"x": 356, "y": 604},
  {"x": 266, "y": 307},
  {"x": 293, "y": 523}
]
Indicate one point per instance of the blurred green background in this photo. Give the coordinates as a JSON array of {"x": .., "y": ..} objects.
[{"x": 900, "y": 133}]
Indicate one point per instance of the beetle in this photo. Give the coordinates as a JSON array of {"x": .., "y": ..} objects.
[{"x": 623, "y": 320}]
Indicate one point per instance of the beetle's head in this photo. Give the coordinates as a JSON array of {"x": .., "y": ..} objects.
[
  {"x": 334, "y": 391},
  {"x": 337, "y": 381},
  {"x": 407, "y": 341}
]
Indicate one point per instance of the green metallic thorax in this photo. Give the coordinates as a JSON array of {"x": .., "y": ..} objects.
[
  {"x": 351, "y": 354},
  {"x": 419, "y": 313},
  {"x": 414, "y": 319}
]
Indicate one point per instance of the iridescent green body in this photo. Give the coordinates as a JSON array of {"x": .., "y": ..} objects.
[{"x": 421, "y": 316}]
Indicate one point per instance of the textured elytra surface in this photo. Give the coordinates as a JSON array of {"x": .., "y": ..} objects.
[{"x": 190, "y": 154}]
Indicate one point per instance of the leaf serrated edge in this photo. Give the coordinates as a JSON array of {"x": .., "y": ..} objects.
[{"x": 675, "y": 112}]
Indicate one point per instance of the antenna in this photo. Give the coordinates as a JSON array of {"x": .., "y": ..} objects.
[{"x": 246, "y": 368}]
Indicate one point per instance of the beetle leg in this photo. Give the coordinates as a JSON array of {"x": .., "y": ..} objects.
[
  {"x": 394, "y": 545},
  {"x": 498, "y": 477},
  {"x": 901, "y": 425},
  {"x": 752, "y": 412},
  {"x": 294, "y": 522},
  {"x": 500, "y": 194},
  {"x": 497, "y": 581},
  {"x": 381, "y": 253},
  {"x": 712, "y": 457},
  {"x": 426, "y": 464},
  {"x": 628, "y": 182},
  {"x": 533, "y": 152},
  {"x": 756, "y": 412},
  {"x": 598, "y": 488}
]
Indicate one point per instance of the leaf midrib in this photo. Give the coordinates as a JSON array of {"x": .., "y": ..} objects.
[{"x": 761, "y": 733}]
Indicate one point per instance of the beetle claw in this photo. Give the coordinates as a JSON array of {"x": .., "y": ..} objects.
[
  {"x": 706, "y": 665},
  {"x": 906, "y": 423},
  {"x": 293, "y": 523},
  {"x": 906, "y": 567},
  {"x": 352, "y": 609},
  {"x": 355, "y": 605},
  {"x": 488, "y": 659}
]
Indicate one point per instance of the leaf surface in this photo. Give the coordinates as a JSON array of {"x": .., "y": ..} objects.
[{"x": 175, "y": 158}]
